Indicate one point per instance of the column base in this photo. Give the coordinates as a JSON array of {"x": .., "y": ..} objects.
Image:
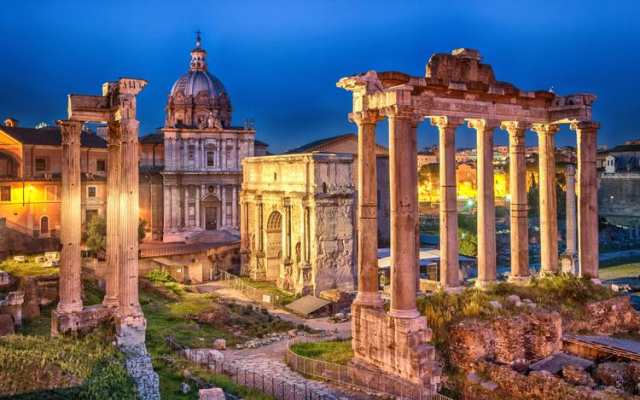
[
  {"x": 395, "y": 346},
  {"x": 484, "y": 284},
  {"x": 452, "y": 289},
  {"x": 369, "y": 299},
  {"x": 404, "y": 314},
  {"x": 111, "y": 302},
  {"x": 80, "y": 322},
  {"x": 519, "y": 279}
]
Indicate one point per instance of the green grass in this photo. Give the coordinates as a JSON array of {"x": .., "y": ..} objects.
[
  {"x": 28, "y": 268},
  {"x": 334, "y": 351},
  {"x": 89, "y": 367},
  {"x": 625, "y": 270}
]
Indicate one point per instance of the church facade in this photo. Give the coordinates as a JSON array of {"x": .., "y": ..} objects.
[{"x": 198, "y": 155}]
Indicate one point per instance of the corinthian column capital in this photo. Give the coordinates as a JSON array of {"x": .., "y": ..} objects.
[
  {"x": 69, "y": 130},
  {"x": 480, "y": 124},
  {"x": 365, "y": 117},
  {"x": 515, "y": 127},
  {"x": 585, "y": 126},
  {"x": 444, "y": 122},
  {"x": 545, "y": 129}
]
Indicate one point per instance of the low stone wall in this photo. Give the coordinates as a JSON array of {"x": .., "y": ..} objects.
[
  {"x": 80, "y": 322},
  {"x": 608, "y": 317},
  {"x": 522, "y": 338}
]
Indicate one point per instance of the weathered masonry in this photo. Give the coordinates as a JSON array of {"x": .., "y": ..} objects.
[
  {"x": 297, "y": 221},
  {"x": 457, "y": 88},
  {"x": 117, "y": 108}
]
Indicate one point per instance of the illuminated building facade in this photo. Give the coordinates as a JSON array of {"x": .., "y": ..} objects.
[{"x": 30, "y": 173}]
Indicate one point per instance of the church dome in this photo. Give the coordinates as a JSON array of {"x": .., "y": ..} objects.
[
  {"x": 194, "y": 82},
  {"x": 198, "y": 99}
]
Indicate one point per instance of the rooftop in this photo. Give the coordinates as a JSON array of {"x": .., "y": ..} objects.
[{"x": 50, "y": 136}]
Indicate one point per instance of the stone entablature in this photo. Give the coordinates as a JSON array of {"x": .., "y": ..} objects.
[{"x": 297, "y": 221}]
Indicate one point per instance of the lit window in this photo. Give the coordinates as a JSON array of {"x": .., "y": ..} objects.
[
  {"x": 91, "y": 192},
  {"x": 5, "y": 193},
  {"x": 41, "y": 164}
]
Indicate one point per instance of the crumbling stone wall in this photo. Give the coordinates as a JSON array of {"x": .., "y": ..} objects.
[
  {"x": 521, "y": 338},
  {"x": 607, "y": 317}
]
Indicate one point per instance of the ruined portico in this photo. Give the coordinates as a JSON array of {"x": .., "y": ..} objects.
[
  {"x": 457, "y": 88},
  {"x": 116, "y": 107}
]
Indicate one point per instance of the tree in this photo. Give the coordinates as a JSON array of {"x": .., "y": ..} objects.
[{"x": 96, "y": 236}]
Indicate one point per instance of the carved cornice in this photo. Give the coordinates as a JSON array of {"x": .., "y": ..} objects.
[{"x": 545, "y": 129}]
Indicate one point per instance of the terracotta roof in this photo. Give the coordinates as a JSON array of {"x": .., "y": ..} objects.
[{"x": 50, "y": 136}]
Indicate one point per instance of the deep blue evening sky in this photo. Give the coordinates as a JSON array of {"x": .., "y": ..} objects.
[{"x": 280, "y": 60}]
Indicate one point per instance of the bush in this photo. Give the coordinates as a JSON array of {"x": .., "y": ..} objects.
[{"x": 159, "y": 276}]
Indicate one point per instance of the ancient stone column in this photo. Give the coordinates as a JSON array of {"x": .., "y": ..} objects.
[
  {"x": 113, "y": 215},
  {"x": 570, "y": 211},
  {"x": 129, "y": 213},
  {"x": 587, "y": 198},
  {"x": 548, "y": 205},
  {"x": 449, "y": 264},
  {"x": 519, "y": 209},
  {"x": 368, "y": 294},
  {"x": 70, "y": 286},
  {"x": 486, "y": 202},
  {"x": 403, "y": 173}
]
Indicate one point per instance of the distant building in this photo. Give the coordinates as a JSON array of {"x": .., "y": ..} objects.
[
  {"x": 298, "y": 220},
  {"x": 348, "y": 144},
  {"x": 191, "y": 170},
  {"x": 30, "y": 168}
]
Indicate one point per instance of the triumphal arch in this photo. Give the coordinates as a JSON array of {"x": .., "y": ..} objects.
[
  {"x": 116, "y": 107},
  {"x": 457, "y": 89}
]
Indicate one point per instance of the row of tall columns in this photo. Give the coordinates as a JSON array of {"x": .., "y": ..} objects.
[
  {"x": 70, "y": 286},
  {"x": 404, "y": 219}
]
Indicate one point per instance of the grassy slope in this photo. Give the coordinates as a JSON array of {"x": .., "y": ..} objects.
[
  {"x": 622, "y": 270},
  {"x": 334, "y": 351},
  {"x": 28, "y": 268}
]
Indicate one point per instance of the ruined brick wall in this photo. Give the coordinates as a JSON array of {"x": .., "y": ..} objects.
[
  {"x": 608, "y": 317},
  {"x": 525, "y": 337}
]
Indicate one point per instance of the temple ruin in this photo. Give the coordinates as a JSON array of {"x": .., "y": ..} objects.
[
  {"x": 457, "y": 88},
  {"x": 117, "y": 108}
]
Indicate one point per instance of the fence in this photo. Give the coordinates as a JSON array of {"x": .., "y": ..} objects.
[
  {"x": 255, "y": 294},
  {"x": 269, "y": 385},
  {"x": 359, "y": 378}
]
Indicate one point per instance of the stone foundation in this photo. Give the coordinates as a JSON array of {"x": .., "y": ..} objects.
[
  {"x": 398, "y": 346},
  {"x": 607, "y": 317},
  {"x": 130, "y": 340},
  {"x": 79, "y": 322}
]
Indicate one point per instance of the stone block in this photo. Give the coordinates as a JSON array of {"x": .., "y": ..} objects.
[
  {"x": 577, "y": 376},
  {"x": 611, "y": 374},
  {"x": 219, "y": 344},
  {"x": 211, "y": 394}
]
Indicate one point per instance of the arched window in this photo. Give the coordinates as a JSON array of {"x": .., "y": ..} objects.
[{"x": 44, "y": 225}]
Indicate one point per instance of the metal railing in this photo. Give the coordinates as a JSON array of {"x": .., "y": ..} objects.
[
  {"x": 358, "y": 378},
  {"x": 267, "y": 384}
]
